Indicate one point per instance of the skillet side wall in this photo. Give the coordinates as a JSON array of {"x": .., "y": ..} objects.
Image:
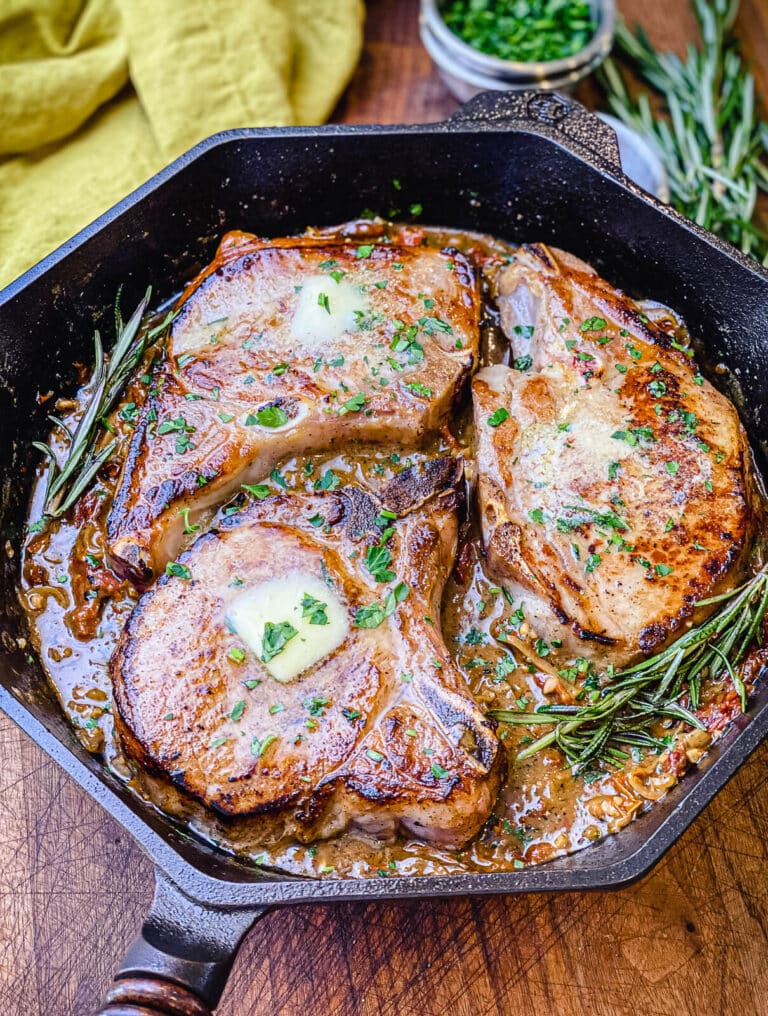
[{"x": 518, "y": 184}]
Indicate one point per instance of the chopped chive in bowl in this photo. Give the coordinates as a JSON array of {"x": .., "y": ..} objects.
[{"x": 528, "y": 31}]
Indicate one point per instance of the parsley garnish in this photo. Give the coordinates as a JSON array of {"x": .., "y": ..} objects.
[
  {"x": 634, "y": 435},
  {"x": 314, "y": 610},
  {"x": 258, "y": 490},
  {"x": 328, "y": 481},
  {"x": 275, "y": 639},
  {"x": 179, "y": 571},
  {"x": 377, "y": 559},
  {"x": 593, "y": 324},
  {"x": 433, "y": 325},
  {"x": 354, "y": 404},
  {"x": 182, "y": 429},
  {"x": 258, "y": 747},
  {"x": 372, "y": 615},
  {"x": 269, "y": 416}
]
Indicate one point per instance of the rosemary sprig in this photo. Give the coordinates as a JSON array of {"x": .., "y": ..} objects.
[
  {"x": 67, "y": 481},
  {"x": 712, "y": 142},
  {"x": 630, "y": 702}
]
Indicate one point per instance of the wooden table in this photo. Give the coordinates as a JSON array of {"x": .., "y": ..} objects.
[{"x": 692, "y": 937}]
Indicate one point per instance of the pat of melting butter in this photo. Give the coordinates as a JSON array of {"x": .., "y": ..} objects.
[
  {"x": 278, "y": 600},
  {"x": 326, "y": 310}
]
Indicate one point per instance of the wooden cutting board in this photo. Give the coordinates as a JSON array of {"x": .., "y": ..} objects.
[{"x": 692, "y": 937}]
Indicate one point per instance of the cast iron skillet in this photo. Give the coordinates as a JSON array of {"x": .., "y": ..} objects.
[{"x": 531, "y": 166}]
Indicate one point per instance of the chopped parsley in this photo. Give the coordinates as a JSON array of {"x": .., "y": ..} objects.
[
  {"x": 634, "y": 436},
  {"x": 433, "y": 325},
  {"x": 316, "y": 704},
  {"x": 258, "y": 490},
  {"x": 269, "y": 416},
  {"x": 259, "y": 747},
  {"x": 179, "y": 571},
  {"x": 327, "y": 481},
  {"x": 314, "y": 611},
  {"x": 275, "y": 638},
  {"x": 505, "y": 666},
  {"x": 576, "y": 516},
  {"x": 353, "y": 404},
  {"x": 593, "y": 324},
  {"x": 377, "y": 560},
  {"x": 181, "y": 429},
  {"x": 189, "y": 527},
  {"x": 372, "y": 616},
  {"x": 498, "y": 416},
  {"x": 419, "y": 389}
]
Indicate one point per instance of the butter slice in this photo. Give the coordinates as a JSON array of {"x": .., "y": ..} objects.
[
  {"x": 314, "y": 326},
  {"x": 278, "y": 600}
]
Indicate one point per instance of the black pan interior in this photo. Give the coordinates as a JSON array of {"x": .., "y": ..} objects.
[{"x": 520, "y": 182}]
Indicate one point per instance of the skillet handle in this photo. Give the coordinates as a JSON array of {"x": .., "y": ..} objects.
[
  {"x": 179, "y": 964},
  {"x": 544, "y": 112}
]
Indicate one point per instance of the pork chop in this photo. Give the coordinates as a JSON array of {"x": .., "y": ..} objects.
[
  {"x": 292, "y": 674},
  {"x": 283, "y": 347},
  {"x": 615, "y": 482}
]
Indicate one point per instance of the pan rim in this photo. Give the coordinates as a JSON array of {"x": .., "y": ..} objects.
[{"x": 486, "y": 113}]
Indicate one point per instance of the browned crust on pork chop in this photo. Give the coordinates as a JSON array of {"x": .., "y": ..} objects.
[
  {"x": 398, "y": 740},
  {"x": 619, "y": 490},
  {"x": 256, "y": 334}
]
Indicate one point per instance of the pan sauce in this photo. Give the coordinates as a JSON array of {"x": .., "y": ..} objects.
[{"x": 77, "y": 609}]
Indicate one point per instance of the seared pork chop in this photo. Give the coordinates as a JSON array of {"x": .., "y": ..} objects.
[
  {"x": 284, "y": 347},
  {"x": 614, "y": 481},
  {"x": 293, "y": 671}
]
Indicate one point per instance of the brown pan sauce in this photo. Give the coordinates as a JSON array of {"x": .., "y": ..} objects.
[{"x": 77, "y": 608}]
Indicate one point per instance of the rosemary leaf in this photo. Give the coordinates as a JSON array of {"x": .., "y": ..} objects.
[
  {"x": 68, "y": 481},
  {"x": 634, "y": 699},
  {"x": 712, "y": 144}
]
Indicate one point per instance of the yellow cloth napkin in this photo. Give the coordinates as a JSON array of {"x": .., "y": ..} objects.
[{"x": 97, "y": 95}]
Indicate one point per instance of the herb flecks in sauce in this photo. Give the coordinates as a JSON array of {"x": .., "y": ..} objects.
[{"x": 507, "y": 665}]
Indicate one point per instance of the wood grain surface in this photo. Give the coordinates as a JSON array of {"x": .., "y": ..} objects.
[{"x": 692, "y": 937}]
